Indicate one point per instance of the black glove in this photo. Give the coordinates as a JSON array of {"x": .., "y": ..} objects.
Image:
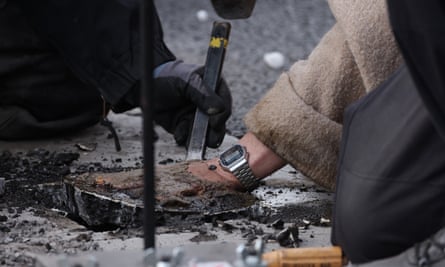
[{"x": 179, "y": 90}]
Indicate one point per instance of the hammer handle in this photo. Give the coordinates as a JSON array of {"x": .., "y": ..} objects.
[{"x": 303, "y": 257}]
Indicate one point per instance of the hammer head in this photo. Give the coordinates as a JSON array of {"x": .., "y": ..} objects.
[{"x": 234, "y": 9}]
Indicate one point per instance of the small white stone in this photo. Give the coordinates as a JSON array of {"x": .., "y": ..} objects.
[
  {"x": 274, "y": 60},
  {"x": 324, "y": 221},
  {"x": 202, "y": 15}
]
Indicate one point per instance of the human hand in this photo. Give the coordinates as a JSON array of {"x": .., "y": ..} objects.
[
  {"x": 179, "y": 90},
  {"x": 210, "y": 171},
  {"x": 262, "y": 161}
]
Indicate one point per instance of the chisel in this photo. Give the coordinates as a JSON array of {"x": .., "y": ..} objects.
[{"x": 212, "y": 72}]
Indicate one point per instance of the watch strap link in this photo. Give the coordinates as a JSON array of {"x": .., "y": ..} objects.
[{"x": 246, "y": 177}]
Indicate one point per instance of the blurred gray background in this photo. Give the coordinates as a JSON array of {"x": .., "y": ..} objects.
[{"x": 291, "y": 27}]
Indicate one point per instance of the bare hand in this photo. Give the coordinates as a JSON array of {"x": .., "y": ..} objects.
[{"x": 211, "y": 171}]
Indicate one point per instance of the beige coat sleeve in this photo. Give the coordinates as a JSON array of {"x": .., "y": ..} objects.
[{"x": 300, "y": 118}]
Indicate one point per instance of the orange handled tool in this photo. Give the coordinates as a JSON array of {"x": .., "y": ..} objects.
[{"x": 305, "y": 257}]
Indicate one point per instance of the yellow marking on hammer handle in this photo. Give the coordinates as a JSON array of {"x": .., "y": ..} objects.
[{"x": 215, "y": 42}]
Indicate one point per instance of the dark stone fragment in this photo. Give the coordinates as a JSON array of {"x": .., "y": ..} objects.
[
  {"x": 278, "y": 224},
  {"x": 259, "y": 231},
  {"x": 294, "y": 235},
  {"x": 66, "y": 158},
  {"x": 84, "y": 237},
  {"x": 283, "y": 237},
  {"x": 268, "y": 237},
  {"x": 166, "y": 161},
  {"x": 228, "y": 227},
  {"x": 4, "y": 229}
]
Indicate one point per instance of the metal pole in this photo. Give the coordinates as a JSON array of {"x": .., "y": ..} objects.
[{"x": 147, "y": 86}]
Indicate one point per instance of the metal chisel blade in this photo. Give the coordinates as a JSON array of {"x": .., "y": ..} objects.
[{"x": 212, "y": 71}]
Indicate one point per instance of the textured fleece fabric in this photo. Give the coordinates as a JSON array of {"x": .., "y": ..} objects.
[{"x": 300, "y": 118}]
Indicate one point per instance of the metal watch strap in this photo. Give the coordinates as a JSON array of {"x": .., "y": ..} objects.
[{"x": 246, "y": 177}]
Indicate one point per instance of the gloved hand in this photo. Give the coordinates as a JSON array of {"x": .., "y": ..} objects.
[{"x": 179, "y": 90}]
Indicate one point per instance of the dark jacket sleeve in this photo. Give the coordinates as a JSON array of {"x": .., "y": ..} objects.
[
  {"x": 98, "y": 39},
  {"x": 419, "y": 28}
]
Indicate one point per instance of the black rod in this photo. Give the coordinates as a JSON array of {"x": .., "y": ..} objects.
[{"x": 147, "y": 86}]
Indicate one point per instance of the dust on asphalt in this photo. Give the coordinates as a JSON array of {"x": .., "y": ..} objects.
[{"x": 34, "y": 219}]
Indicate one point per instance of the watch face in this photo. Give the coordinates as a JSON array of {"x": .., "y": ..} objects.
[{"x": 232, "y": 155}]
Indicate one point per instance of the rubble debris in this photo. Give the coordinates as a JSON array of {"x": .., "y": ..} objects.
[
  {"x": 306, "y": 223},
  {"x": 84, "y": 237},
  {"x": 325, "y": 222},
  {"x": 278, "y": 224},
  {"x": 228, "y": 227},
  {"x": 269, "y": 237},
  {"x": 258, "y": 230},
  {"x": 282, "y": 237},
  {"x": 249, "y": 235},
  {"x": 87, "y": 147},
  {"x": 49, "y": 246},
  {"x": 39, "y": 178},
  {"x": 203, "y": 237},
  {"x": 289, "y": 237},
  {"x": 25, "y": 172},
  {"x": 294, "y": 235},
  {"x": 166, "y": 161}
]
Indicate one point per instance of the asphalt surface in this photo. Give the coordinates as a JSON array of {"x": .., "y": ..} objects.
[
  {"x": 290, "y": 27},
  {"x": 34, "y": 228}
]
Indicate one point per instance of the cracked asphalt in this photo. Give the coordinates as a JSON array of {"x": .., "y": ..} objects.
[{"x": 290, "y": 27}]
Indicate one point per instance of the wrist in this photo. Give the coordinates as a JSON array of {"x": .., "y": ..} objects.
[
  {"x": 262, "y": 160},
  {"x": 246, "y": 163}
]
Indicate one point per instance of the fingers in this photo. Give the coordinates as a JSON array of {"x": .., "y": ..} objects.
[
  {"x": 217, "y": 122},
  {"x": 219, "y": 108},
  {"x": 206, "y": 100},
  {"x": 215, "y": 137},
  {"x": 201, "y": 170},
  {"x": 182, "y": 131},
  {"x": 180, "y": 89}
]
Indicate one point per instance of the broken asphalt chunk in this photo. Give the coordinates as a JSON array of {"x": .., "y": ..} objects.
[{"x": 97, "y": 198}]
